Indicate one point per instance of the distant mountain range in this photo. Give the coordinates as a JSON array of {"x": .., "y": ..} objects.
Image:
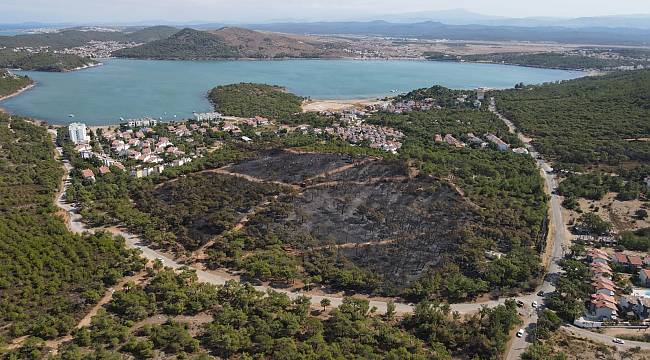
[
  {"x": 464, "y": 17},
  {"x": 437, "y": 30}
]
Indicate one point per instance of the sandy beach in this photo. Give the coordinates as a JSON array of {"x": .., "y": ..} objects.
[{"x": 336, "y": 105}]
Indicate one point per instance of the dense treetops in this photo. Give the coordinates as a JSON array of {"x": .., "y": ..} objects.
[
  {"x": 593, "y": 120},
  {"x": 242, "y": 323},
  {"x": 249, "y": 100},
  {"x": 444, "y": 97},
  {"x": 48, "y": 276},
  {"x": 43, "y": 61},
  {"x": 9, "y": 83}
]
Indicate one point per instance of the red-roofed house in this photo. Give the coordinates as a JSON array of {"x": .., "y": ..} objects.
[
  {"x": 600, "y": 269},
  {"x": 88, "y": 174},
  {"x": 635, "y": 261},
  {"x": 620, "y": 258},
  {"x": 119, "y": 165},
  {"x": 103, "y": 170},
  {"x": 604, "y": 309},
  {"x": 603, "y": 297}
]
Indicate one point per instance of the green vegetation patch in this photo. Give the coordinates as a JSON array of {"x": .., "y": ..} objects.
[
  {"x": 48, "y": 276},
  {"x": 593, "y": 120},
  {"x": 235, "y": 320},
  {"x": 42, "y": 61},
  {"x": 9, "y": 83},
  {"x": 249, "y": 100}
]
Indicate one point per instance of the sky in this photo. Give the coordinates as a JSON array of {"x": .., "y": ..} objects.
[{"x": 251, "y": 11}]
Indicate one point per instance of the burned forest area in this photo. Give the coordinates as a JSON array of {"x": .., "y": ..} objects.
[{"x": 347, "y": 222}]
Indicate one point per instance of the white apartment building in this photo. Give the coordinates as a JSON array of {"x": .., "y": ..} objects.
[{"x": 78, "y": 134}]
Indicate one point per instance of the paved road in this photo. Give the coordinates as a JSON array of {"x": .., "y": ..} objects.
[
  {"x": 560, "y": 240},
  {"x": 605, "y": 339}
]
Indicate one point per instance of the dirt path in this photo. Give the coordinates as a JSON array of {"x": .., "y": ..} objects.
[
  {"x": 55, "y": 344},
  {"x": 200, "y": 253},
  {"x": 354, "y": 245},
  {"x": 340, "y": 169}
]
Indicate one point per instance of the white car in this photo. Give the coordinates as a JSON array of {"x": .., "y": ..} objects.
[
  {"x": 520, "y": 333},
  {"x": 618, "y": 341},
  {"x": 535, "y": 304}
]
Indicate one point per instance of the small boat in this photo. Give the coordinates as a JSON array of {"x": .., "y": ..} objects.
[{"x": 71, "y": 115}]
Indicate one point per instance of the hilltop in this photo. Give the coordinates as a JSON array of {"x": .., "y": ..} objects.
[{"x": 232, "y": 42}]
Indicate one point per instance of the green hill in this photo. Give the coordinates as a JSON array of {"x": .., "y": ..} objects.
[{"x": 185, "y": 44}]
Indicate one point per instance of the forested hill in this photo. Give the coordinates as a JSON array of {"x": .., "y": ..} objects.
[
  {"x": 48, "y": 276},
  {"x": 185, "y": 44},
  {"x": 44, "y": 61},
  {"x": 9, "y": 83},
  {"x": 231, "y": 42},
  {"x": 588, "y": 121},
  {"x": 77, "y": 37}
]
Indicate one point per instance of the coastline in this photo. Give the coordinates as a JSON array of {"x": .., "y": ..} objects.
[
  {"x": 17, "y": 92},
  {"x": 88, "y": 66}
]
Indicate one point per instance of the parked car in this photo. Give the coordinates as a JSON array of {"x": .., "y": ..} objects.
[
  {"x": 520, "y": 303},
  {"x": 520, "y": 333},
  {"x": 540, "y": 293},
  {"x": 534, "y": 304},
  {"x": 618, "y": 341}
]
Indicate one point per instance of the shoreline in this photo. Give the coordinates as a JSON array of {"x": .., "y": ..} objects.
[{"x": 17, "y": 92}]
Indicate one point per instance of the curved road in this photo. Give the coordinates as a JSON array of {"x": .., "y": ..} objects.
[{"x": 560, "y": 236}]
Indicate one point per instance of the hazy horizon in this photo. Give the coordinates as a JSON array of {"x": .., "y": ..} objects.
[{"x": 252, "y": 11}]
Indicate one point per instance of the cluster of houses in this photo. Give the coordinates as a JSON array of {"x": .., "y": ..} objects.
[
  {"x": 477, "y": 141},
  {"x": 144, "y": 171},
  {"x": 98, "y": 49},
  {"x": 141, "y": 145},
  {"x": 604, "y": 302},
  {"x": 379, "y": 137},
  {"x": 406, "y": 106}
]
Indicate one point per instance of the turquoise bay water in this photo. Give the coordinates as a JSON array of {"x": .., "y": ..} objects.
[{"x": 137, "y": 88}]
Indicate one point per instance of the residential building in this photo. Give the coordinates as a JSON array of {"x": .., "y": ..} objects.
[
  {"x": 644, "y": 277},
  {"x": 208, "y": 116},
  {"x": 103, "y": 170},
  {"x": 88, "y": 174},
  {"x": 78, "y": 134},
  {"x": 501, "y": 145},
  {"x": 604, "y": 310},
  {"x": 636, "y": 262}
]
